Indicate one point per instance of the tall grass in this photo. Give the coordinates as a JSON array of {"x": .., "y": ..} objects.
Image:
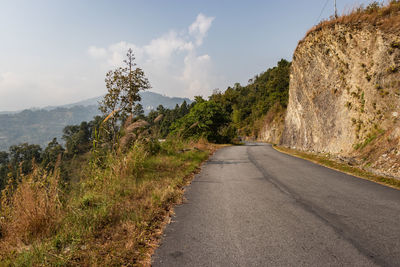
[
  {"x": 386, "y": 17},
  {"x": 29, "y": 210},
  {"x": 112, "y": 215}
]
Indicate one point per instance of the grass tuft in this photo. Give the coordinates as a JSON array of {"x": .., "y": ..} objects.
[{"x": 385, "y": 17}]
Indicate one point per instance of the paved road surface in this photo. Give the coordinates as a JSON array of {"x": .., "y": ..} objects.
[{"x": 254, "y": 206}]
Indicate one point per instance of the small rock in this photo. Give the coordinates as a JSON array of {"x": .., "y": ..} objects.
[{"x": 352, "y": 162}]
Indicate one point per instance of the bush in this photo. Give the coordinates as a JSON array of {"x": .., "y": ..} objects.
[
  {"x": 206, "y": 119},
  {"x": 373, "y": 7},
  {"x": 153, "y": 146}
]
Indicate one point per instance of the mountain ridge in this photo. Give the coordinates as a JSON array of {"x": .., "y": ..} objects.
[
  {"x": 94, "y": 101},
  {"x": 40, "y": 126}
]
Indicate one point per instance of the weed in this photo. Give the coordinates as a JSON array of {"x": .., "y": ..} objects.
[
  {"x": 395, "y": 45},
  {"x": 392, "y": 69},
  {"x": 385, "y": 17}
]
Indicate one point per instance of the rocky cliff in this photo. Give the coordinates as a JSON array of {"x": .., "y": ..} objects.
[
  {"x": 273, "y": 124},
  {"x": 344, "y": 96}
]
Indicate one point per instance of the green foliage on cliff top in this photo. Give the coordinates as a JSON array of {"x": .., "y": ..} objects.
[{"x": 248, "y": 104}]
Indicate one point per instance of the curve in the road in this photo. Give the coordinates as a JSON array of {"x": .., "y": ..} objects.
[{"x": 254, "y": 206}]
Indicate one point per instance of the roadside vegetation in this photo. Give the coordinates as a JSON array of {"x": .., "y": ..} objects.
[
  {"x": 102, "y": 196},
  {"x": 112, "y": 215}
]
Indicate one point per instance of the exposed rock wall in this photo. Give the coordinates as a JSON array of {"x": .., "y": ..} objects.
[
  {"x": 344, "y": 94},
  {"x": 273, "y": 124}
]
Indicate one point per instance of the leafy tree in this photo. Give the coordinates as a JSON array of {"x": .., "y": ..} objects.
[
  {"x": 138, "y": 111},
  {"x": 77, "y": 138},
  {"x": 22, "y": 157},
  {"x": 51, "y": 154},
  {"x": 123, "y": 86},
  {"x": 160, "y": 109},
  {"x": 206, "y": 119},
  {"x": 198, "y": 99},
  {"x": 184, "y": 109},
  {"x": 4, "y": 158},
  {"x": 151, "y": 116},
  {"x": 4, "y": 161}
]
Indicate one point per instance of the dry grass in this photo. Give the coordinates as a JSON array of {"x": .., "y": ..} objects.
[
  {"x": 114, "y": 215},
  {"x": 30, "y": 211},
  {"x": 386, "y": 18}
]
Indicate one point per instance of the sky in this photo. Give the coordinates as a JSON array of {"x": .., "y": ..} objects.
[{"x": 57, "y": 52}]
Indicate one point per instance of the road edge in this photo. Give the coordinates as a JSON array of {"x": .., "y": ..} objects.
[
  {"x": 341, "y": 167},
  {"x": 158, "y": 237}
]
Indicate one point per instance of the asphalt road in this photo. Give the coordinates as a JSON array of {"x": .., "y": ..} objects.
[{"x": 254, "y": 206}]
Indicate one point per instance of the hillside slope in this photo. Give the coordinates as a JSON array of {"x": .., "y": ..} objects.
[{"x": 344, "y": 96}]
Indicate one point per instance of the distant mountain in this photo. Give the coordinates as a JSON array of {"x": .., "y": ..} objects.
[
  {"x": 40, "y": 126},
  {"x": 150, "y": 101}
]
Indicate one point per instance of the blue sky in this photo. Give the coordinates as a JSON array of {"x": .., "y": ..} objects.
[{"x": 57, "y": 52}]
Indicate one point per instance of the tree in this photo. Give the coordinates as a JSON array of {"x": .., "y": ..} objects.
[
  {"x": 136, "y": 81},
  {"x": 22, "y": 157},
  {"x": 77, "y": 138},
  {"x": 138, "y": 111},
  {"x": 206, "y": 119},
  {"x": 123, "y": 86},
  {"x": 184, "y": 109},
  {"x": 4, "y": 160},
  {"x": 198, "y": 99},
  {"x": 51, "y": 154},
  {"x": 160, "y": 109}
]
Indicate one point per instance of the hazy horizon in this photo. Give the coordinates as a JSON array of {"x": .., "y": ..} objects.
[{"x": 56, "y": 53}]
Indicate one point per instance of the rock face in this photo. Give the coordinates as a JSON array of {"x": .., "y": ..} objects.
[
  {"x": 344, "y": 93},
  {"x": 273, "y": 124}
]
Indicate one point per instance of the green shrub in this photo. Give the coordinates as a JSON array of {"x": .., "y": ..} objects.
[{"x": 206, "y": 119}]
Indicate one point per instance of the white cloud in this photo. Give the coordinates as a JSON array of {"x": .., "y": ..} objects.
[
  {"x": 164, "y": 47},
  {"x": 97, "y": 52},
  {"x": 196, "y": 74},
  {"x": 170, "y": 61},
  {"x": 200, "y": 27}
]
